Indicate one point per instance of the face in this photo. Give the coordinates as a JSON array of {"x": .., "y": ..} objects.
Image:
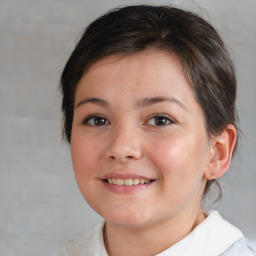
[{"x": 139, "y": 144}]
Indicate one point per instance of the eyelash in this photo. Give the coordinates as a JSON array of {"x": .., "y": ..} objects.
[
  {"x": 96, "y": 118},
  {"x": 167, "y": 118}
]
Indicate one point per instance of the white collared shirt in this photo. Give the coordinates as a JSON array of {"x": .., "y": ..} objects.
[{"x": 213, "y": 237}]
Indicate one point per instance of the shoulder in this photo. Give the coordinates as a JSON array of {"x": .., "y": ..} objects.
[
  {"x": 229, "y": 238},
  {"x": 241, "y": 247},
  {"x": 214, "y": 236},
  {"x": 73, "y": 246},
  {"x": 85, "y": 244}
]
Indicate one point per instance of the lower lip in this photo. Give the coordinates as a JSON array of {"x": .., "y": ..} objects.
[{"x": 126, "y": 189}]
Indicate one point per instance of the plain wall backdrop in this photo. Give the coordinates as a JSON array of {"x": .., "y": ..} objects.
[{"x": 41, "y": 206}]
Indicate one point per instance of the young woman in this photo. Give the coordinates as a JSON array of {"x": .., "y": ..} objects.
[{"x": 149, "y": 111}]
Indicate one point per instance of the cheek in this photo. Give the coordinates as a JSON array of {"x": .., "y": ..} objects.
[
  {"x": 85, "y": 159},
  {"x": 169, "y": 154},
  {"x": 179, "y": 157},
  {"x": 84, "y": 156}
]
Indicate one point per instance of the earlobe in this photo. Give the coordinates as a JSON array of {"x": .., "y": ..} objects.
[{"x": 221, "y": 153}]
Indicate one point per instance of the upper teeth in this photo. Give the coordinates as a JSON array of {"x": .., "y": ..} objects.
[{"x": 127, "y": 182}]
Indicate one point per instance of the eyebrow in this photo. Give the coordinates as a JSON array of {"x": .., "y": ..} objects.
[
  {"x": 154, "y": 100},
  {"x": 140, "y": 104},
  {"x": 96, "y": 101}
]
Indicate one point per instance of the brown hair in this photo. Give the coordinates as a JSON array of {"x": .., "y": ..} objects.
[{"x": 206, "y": 62}]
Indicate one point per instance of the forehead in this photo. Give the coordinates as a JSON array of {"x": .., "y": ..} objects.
[
  {"x": 146, "y": 69},
  {"x": 151, "y": 55}
]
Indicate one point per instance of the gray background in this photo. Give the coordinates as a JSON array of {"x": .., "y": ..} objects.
[{"x": 40, "y": 202}]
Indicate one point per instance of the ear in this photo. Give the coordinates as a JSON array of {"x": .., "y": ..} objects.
[{"x": 222, "y": 147}]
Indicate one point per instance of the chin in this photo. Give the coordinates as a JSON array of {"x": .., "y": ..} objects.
[{"x": 126, "y": 218}]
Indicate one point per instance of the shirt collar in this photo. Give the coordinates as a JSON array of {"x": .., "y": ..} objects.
[{"x": 211, "y": 237}]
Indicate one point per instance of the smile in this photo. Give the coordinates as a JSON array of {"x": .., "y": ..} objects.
[{"x": 127, "y": 182}]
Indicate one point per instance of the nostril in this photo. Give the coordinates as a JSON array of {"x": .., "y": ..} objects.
[
  {"x": 122, "y": 158},
  {"x": 123, "y": 153}
]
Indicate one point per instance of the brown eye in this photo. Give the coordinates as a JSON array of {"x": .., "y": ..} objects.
[
  {"x": 160, "y": 120},
  {"x": 96, "y": 121}
]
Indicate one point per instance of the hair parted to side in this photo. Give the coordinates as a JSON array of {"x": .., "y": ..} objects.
[{"x": 206, "y": 62}]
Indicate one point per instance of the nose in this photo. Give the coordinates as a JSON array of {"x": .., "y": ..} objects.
[{"x": 124, "y": 145}]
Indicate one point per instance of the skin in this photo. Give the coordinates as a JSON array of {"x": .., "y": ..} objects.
[{"x": 174, "y": 150}]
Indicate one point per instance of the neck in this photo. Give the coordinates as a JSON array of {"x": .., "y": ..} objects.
[{"x": 151, "y": 239}]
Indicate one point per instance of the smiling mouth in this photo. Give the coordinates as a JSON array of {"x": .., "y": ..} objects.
[{"x": 128, "y": 182}]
